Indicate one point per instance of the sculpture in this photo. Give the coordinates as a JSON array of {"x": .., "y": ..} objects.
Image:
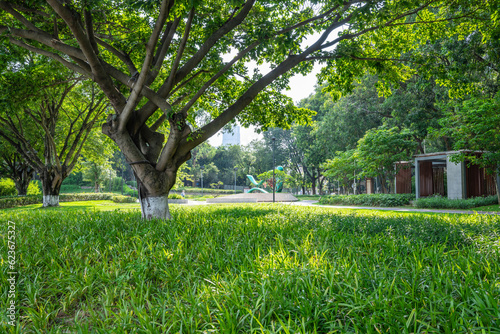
[{"x": 279, "y": 183}]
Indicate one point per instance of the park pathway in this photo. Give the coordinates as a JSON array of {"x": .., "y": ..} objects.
[{"x": 313, "y": 203}]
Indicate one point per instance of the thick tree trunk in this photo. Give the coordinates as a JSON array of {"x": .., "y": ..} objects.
[
  {"x": 51, "y": 185},
  {"x": 155, "y": 207},
  {"x": 153, "y": 194}
]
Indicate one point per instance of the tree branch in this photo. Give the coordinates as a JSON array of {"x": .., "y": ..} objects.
[{"x": 137, "y": 87}]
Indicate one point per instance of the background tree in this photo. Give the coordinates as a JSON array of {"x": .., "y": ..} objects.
[
  {"x": 97, "y": 173},
  {"x": 474, "y": 125},
  {"x": 42, "y": 101},
  {"x": 380, "y": 149},
  {"x": 342, "y": 168},
  {"x": 13, "y": 166}
]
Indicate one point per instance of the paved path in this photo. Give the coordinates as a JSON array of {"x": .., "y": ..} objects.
[{"x": 312, "y": 203}]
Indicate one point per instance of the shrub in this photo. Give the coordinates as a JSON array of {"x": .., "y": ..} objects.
[
  {"x": 174, "y": 196},
  {"x": 11, "y": 202},
  {"x": 382, "y": 200},
  {"x": 132, "y": 183},
  {"x": 130, "y": 192},
  {"x": 123, "y": 199},
  {"x": 7, "y": 187},
  {"x": 34, "y": 189},
  {"x": 438, "y": 202}
]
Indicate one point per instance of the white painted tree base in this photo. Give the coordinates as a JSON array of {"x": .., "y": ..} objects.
[
  {"x": 50, "y": 200},
  {"x": 155, "y": 207}
]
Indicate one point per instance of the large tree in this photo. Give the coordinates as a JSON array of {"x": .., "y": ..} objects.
[{"x": 163, "y": 62}]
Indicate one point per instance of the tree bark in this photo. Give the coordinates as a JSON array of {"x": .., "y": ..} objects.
[
  {"x": 22, "y": 180},
  {"x": 51, "y": 186}
]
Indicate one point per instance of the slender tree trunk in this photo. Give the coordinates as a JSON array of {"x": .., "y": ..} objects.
[
  {"x": 382, "y": 184},
  {"x": 497, "y": 180},
  {"x": 51, "y": 186}
]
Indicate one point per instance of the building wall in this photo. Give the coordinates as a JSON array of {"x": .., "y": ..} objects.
[{"x": 229, "y": 138}]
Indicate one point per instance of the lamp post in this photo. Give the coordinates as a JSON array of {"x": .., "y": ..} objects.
[
  {"x": 235, "y": 170},
  {"x": 201, "y": 172},
  {"x": 274, "y": 179}
]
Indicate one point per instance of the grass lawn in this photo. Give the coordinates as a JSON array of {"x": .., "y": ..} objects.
[
  {"x": 252, "y": 269},
  {"x": 491, "y": 208}
]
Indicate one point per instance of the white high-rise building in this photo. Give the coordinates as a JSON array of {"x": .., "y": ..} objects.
[{"x": 233, "y": 138}]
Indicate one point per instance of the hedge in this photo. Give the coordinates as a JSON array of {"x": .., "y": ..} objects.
[
  {"x": 381, "y": 200},
  {"x": 438, "y": 202},
  {"x": 10, "y": 202},
  {"x": 123, "y": 199}
]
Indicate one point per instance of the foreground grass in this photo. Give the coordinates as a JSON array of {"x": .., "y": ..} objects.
[{"x": 265, "y": 269}]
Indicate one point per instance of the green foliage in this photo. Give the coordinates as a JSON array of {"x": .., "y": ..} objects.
[
  {"x": 132, "y": 183},
  {"x": 115, "y": 184},
  {"x": 438, "y": 202},
  {"x": 174, "y": 196},
  {"x": 7, "y": 187},
  {"x": 130, "y": 192},
  {"x": 34, "y": 189},
  {"x": 70, "y": 188},
  {"x": 97, "y": 173},
  {"x": 474, "y": 124},
  {"x": 249, "y": 269},
  {"x": 380, "y": 200},
  {"x": 123, "y": 199},
  {"x": 11, "y": 202},
  {"x": 380, "y": 149}
]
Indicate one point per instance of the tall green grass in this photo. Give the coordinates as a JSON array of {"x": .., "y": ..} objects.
[{"x": 255, "y": 269}]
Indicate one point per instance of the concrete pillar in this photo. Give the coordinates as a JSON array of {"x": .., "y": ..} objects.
[
  {"x": 417, "y": 179},
  {"x": 456, "y": 179}
]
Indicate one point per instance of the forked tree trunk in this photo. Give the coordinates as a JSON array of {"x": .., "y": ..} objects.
[
  {"x": 153, "y": 195},
  {"x": 22, "y": 178},
  {"x": 22, "y": 185},
  {"x": 51, "y": 186}
]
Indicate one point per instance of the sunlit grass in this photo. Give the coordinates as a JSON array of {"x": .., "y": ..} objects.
[
  {"x": 78, "y": 205},
  {"x": 255, "y": 268},
  {"x": 489, "y": 208}
]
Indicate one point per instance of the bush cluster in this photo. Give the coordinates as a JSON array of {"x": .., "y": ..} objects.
[
  {"x": 130, "y": 192},
  {"x": 123, "y": 199},
  {"x": 190, "y": 190},
  {"x": 10, "y": 202},
  {"x": 34, "y": 188},
  {"x": 438, "y": 202},
  {"x": 382, "y": 200},
  {"x": 7, "y": 187},
  {"x": 174, "y": 196}
]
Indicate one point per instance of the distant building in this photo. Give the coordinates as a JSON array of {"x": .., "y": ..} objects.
[{"x": 233, "y": 138}]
